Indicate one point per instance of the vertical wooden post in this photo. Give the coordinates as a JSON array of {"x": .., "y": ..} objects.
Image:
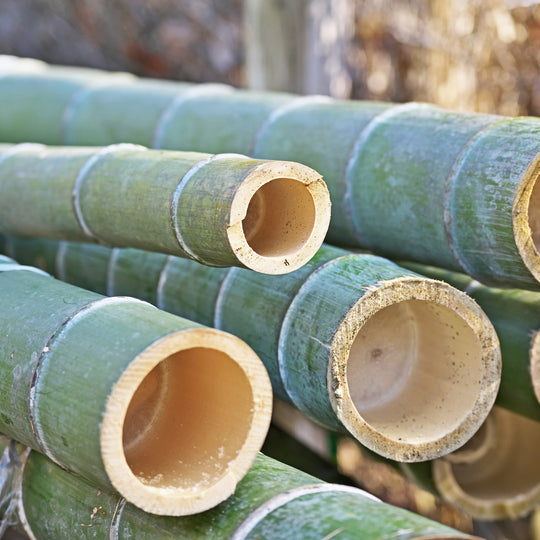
[{"x": 299, "y": 46}]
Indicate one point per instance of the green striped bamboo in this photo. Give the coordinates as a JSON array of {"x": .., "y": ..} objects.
[
  {"x": 515, "y": 314},
  {"x": 408, "y": 181},
  {"x": 332, "y": 336},
  {"x": 496, "y": 475},
  {"x": 170, "y": 413},
  {"x": 273, "y": 501},
  {"x": 221, "y": 210}
]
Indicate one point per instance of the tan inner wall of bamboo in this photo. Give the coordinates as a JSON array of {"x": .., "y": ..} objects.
[
  {"x": 415, "y": 371},
  {"x": 280, "y": 218},
  {"x": 510, "y": 466},
  {"x": 534, "y": 215},
  {"x": 188, "y": 419}
]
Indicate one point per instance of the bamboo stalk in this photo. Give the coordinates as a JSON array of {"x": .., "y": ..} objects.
[
  {"x": 515, "y": 314},
  {"x": 420, "y": 183},
  {"x": 408, "y": 365},
  {"x": 170, "y": 413},
  {"x": 220, "y": 210},
  {"x": 273, "y": 501}
]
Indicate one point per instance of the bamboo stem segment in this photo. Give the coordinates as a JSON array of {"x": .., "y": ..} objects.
[
  {"x": 273, "y": 501},
  {"x": 126, "y": 395},
  {"x": 408, "y": 365},
  {"x": 220, "y": 210}
]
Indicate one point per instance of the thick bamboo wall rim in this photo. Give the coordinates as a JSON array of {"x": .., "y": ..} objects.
[
  {"x": 164, "y": 457},
  {"x": 526, "y": 217},
  {"x": 447, "y": 338},
  {"x": 498, "y": 475},
  {"x": 279, "y": 217}
]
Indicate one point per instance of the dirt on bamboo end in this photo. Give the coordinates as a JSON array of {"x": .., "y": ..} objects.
[
  {"x": 415, "y": 369},
  {"x": 501, "y": 479},
  {"x": 185, "y": 422},
  {"x": 526, "y": 217},
  {"x": 279, "y": 217}
]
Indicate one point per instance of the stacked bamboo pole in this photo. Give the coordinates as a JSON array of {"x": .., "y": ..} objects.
[
  {"x": 408, "y": 181},
  {"x": 273, "y": 501},
  {"x": 515, "y": 315},
  {"x": 126, "y": 395},
  {"x": 220, "y": 210},
  {"x": 408, "y": 365}
]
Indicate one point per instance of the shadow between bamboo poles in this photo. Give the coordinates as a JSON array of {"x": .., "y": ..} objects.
[
  {"x": 273, "y": 500},
  {"x": 126, "y": 395},
  {"x": 221, "y": 210},
  {"x": 515, "y": 315},
  {"x": 463, "y": 157},
  {"x": 410, "y": 366}
]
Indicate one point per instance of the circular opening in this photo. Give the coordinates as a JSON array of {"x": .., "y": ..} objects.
[
  {"x": 533, "y": 212},
  {"x": 188, "y": 419},
  {"x": 510, "y": 467},
  {"x": 280, "y": 218},
  {"x": 415, "y": 371}
]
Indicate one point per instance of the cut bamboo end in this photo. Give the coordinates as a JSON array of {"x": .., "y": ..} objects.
[
  {"x": 415, "y": 369},
  {"x": 185, "y": 422},
  {"x": 279, "y": 217},
  {"x": 526, "y": 218},
  {"x": 534, "y": 364},
  {"x": 503, "y": 482}
]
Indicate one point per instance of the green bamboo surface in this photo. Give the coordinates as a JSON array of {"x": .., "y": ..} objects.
[
  {"x": 515, "y": 314},
  {"x": 185, "y": 204},
  {"x": 272, "y": 501},
  {"x": 290, "y": 321},
  {"x": 65, "y": 354},
  {"x": 407, "y": 181}
]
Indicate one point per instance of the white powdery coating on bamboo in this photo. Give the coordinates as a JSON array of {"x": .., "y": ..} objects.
[
  {"x": 20, "y": 148},
  {"x": 357, "y": 147},
  {"x": 111, "y": 265},
  {"x": 283, "y": 498},
  {"x": 20, "y": 503},
  {"x": 14, "y": 267},
  {"x": 168, "y": 113},
  {"x": 292, "y": 105},
  {"x": 84, "y": 170}
]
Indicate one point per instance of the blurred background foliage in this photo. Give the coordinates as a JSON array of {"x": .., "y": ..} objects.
[{"x": 465, "y": 55}]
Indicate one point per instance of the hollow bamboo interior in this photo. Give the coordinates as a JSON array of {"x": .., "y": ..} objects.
[
  {"x": 497, "y": 476},
  {"x": 417, "y": 372}
]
